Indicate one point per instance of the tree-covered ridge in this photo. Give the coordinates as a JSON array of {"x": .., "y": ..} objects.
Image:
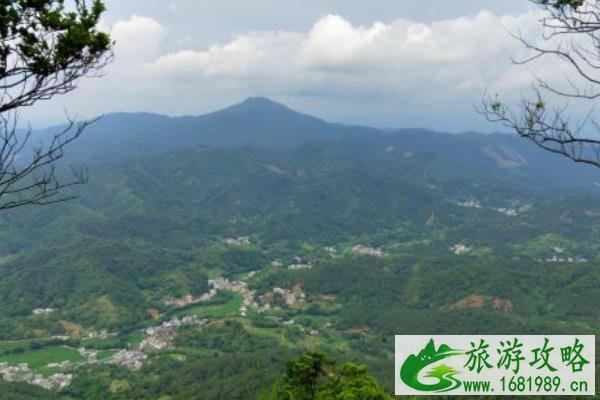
[
  {"x": 345, "y": 242},
  {"x": 314, "y": 376},
  {"x": 135, "y": 241}
]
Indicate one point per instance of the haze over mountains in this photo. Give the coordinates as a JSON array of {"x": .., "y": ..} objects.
[
  {"x": 256, "y": 122},
  {"x": 264, "y": 124},
  {"x": 470, "y": 232},
  {"x": 261, "y": 169}
]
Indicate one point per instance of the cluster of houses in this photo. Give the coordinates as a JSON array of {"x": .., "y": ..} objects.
[
  {"x": 571, "y": 260},
  {"x": 298, "y": 267},
  {"x": 299, "y": 264},
  {"x": 511, "y": 212},
  {"x": 179, "y": 302},
  {"x": 238, "y": 241},
  {"x": 132, "y": 360},
  {"x": 559, "y": 257},
  {"x": 161, "y": 337},
  {"x": 330, "y": 249},
  {"x": 369, "y": 251},
  {"x": 460, "y": 249},
  {"x": 90, "y": 355},
  {"x": 157, "y": 338},
  {"x": 240, "y": 287},
  {"x": 42, "y": 311},
  {"x": 103, "y": 334},
  {"x": 292, "y": 322},
  {"x": 22, "y": 373},
  {"x": 291, "y": 297},
  {"x": 225, "y": 284},
  {"x": 216, "y": 285},
  {"x": 469, "y": 204}
]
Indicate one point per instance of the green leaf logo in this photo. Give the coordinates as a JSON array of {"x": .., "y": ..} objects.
[{"x": 414, "y": 364}]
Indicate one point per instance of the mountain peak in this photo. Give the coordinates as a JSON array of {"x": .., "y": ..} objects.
[
  {"x": 261, "y": 104},
  {"x": 260, "y": 100},
  {"x": 260, "y": 108}
]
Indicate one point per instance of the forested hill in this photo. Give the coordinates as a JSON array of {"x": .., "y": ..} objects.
[
  {"x": 350, "y": 235},
  {"x": 256, "y": 122},
  {"x": 264, "y": 124},
  {"x": 142, "y": 226}
]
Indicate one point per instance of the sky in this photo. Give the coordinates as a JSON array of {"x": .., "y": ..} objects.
[{"x": 382, "y": 63}]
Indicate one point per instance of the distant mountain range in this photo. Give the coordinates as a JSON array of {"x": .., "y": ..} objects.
[
  {"x": 264, "y": 124},
  {"x": 471, "y": 233},
  {"x": 261, "y": 169},
  {"x": 256, "y": 122}
]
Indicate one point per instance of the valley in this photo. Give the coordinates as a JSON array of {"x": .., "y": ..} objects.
[
  {"x": 195, "y": 266},
  {"x": 271, "y": 200}
]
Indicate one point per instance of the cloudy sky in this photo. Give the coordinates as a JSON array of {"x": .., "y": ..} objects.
[{"x": 380, "y": 62}]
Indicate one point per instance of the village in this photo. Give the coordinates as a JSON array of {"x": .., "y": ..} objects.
[
  {"x": 460, "y": 249},
  {"x": 22, "y": 373},
  {"x": 156, "y": 338},
  {"x": 363, "y": 250},
  {"x": 559, "y": 256},
  {"x": 249, "y": 300},
  {"x": 508, "y": 211},
  {"x": 162, "y": 336}
]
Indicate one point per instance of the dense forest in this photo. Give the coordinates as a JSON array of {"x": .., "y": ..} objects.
[{"x": 283, "y": 257}]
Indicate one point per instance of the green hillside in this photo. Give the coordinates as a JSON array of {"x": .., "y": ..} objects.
[{"x": 386, "y": 234}]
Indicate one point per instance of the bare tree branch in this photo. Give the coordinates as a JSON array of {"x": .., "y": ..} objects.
[
  {"x": 28, "y": 175},
  {"x": 571, "y": 36},
  {"x": 550, "y": 130},
  {"x": 46, "y": 47}
]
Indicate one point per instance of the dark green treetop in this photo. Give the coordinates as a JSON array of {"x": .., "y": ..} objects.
[
  {"x": 573, "y": 4},
  {"x": 46, "y": 46},
  {"x": 315, "y": 377}
]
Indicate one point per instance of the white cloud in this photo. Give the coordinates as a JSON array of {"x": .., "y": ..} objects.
[
  {"x": 464, "y": 54},
  {"x": 445, "y": 65},
  {"x": 138, "y": 38}
]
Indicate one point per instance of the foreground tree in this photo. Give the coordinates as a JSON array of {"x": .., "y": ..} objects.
[
  {"x": 46, "y": 46},
  {"x": 315, "y": 377},
  {"x": 571, "y": 37}
]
